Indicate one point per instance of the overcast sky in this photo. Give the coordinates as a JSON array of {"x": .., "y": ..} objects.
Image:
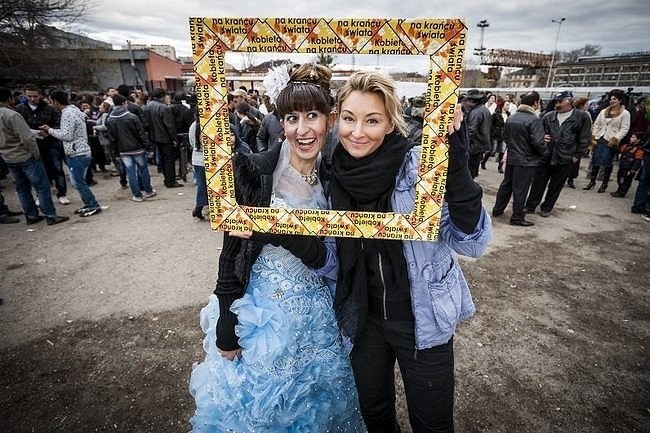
[{"x": 617, "y": 26}]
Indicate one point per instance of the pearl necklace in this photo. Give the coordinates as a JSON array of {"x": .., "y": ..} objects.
[{"x": 311, "y": 178}]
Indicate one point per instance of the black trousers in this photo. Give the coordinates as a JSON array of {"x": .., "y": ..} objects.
[
  {"x": 624, "y": 180},
  {"x": 428, "y": 377},
  {"x": 168, "y": 157},
  {"x": 473, "y": 163},
  {"x": 552, "y": 176},
  {"x": 516, "y": 183}
]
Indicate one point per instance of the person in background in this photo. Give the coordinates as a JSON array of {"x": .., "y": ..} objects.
[
  {"x": 582, "y": 105},
  {"x": 275, "y": 360},
  {"x": 249, "y": 125},
  {"x": 198, "y": 166},
  {"x": 99, "y": 130},
  {"x": 478, "y": 128},
  {"x": 77, "y": 151},
  {"x": 415, "y": 122},
  {"x": 640, "y": 204},
  {"x": 629, "y": 164},
  {"x": 271, "y": 131},
  {"x": 162, "y": 134},
  {"x": 128, "y": 139},
  {"x": 7, "y": 216},
  {"x": 609, "y": 129},
  {"x": 19, "y": 150},
  {"x": 526, "y": 148},
  {"x": 401, "y": 300},
  {"x": 567, "y": 133},
  {"x": 36, "y": 112},
  {"x": 497, "y": 124}
]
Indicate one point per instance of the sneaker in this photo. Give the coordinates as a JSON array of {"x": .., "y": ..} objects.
[
  {"x": 81, "y": 210},
  {"x": 56, "y": 220},
  {"x": 137, "y": 199},
  {"x": 34, "y": 220},
  {"x": 91, "y": 212},
  {"x": 149, "y": 194},
  {"x": 64, "y": 200},
  {"x": 545, "y": 213}
]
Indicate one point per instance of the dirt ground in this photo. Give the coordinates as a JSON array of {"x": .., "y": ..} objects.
[{"x": 99, "y": 326}]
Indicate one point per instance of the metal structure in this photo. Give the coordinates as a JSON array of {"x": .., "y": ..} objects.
[
  {"x": 515, "y": 59},
  {"x": 483, "y": 24},
  {"x": 557, "y": 37}
]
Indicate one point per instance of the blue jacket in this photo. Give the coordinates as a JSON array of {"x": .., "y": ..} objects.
[{"x": 440, "y": 295}]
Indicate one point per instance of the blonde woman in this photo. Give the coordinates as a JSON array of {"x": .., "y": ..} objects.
[{"x": 401, "y": 300}]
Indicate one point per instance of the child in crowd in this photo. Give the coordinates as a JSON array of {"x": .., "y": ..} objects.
[{"x": 630, "y": 163}]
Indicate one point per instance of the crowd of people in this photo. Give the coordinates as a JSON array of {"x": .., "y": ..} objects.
[
  {"x": 303, "y": 333},
  {"x": 121, "y": 127},
  {"x": 539, "y": 149}
]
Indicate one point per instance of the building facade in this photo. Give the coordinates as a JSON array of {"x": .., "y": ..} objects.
[{"x": 620, "y": 70}]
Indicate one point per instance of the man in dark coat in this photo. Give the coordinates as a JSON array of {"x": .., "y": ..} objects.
[
  {"x": 567, "y": 132},
  {"x": 36, "y": 113},
  {"x": 162, "y": 133},
  {"x": 478, "y": 129},
  {"x": 524, "y": 137}
]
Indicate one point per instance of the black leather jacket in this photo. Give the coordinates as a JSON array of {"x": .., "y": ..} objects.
[
  {"x": 160, "y": 121},
  {"x": 44, "y": 114},
  {"x": 125, "y": 131},
  {"x": 479, "y": 123},
  {"x": 524, "y": 137},
  {"x": 569, "y": 139}
]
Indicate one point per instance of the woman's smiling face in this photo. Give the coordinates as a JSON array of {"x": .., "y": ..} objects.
[
  {"x": 363, "y": 123},
  {"x": 307, "y": 133}
]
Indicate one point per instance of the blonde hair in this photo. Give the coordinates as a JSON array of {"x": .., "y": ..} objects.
[{"x": 380, "y": 85}]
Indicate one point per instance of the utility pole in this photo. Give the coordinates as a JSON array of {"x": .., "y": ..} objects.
[{"x": 557, "y": 37}]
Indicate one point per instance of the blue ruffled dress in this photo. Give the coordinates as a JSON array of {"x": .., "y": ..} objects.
[{"x": 294, "y": 374}]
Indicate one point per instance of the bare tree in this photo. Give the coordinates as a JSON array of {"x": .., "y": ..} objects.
[
  {"x": 26, "y": 22},
  {"x": 573, "y": 55},
  {"x": 325, "y": 60},
  {"x": 26, "y": 30}
]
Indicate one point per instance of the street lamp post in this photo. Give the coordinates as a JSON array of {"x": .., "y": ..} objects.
[{"x": 557, "y": 37}]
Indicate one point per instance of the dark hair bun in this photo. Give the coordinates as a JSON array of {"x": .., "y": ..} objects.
[{"x": 311, "y": 73}]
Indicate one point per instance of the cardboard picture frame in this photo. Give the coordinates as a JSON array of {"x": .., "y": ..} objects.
[{"x": 443, "y": 40}]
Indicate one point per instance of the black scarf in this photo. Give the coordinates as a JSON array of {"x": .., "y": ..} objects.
[{"x": 364, "y": 184}]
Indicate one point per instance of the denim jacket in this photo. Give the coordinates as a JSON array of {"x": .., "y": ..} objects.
[{"x": 440, "y": 295}]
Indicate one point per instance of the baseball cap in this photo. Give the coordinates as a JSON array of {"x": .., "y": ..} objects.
[
  {"x": 239, "y": 92},
  {"x": 563, "y": 94}
]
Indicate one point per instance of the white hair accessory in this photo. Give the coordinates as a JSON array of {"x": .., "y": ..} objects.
[{"x": 276, "y": 80}]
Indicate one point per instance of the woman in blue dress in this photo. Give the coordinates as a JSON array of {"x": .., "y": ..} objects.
[{"x": 274, "y": 356}]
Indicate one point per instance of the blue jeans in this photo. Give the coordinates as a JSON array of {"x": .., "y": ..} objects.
[
  {"x": 78, "y": 165},
  {"x": 641, "y": 197},
  {"x": 201, "y": 186},
  {"x": 52, "y": 156},
  {"x": 137, "y": 166},
  {"x": 28, "y": 174}
]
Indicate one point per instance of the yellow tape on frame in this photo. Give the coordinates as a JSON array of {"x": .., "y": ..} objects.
[{"x": 443, "y": 40}]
